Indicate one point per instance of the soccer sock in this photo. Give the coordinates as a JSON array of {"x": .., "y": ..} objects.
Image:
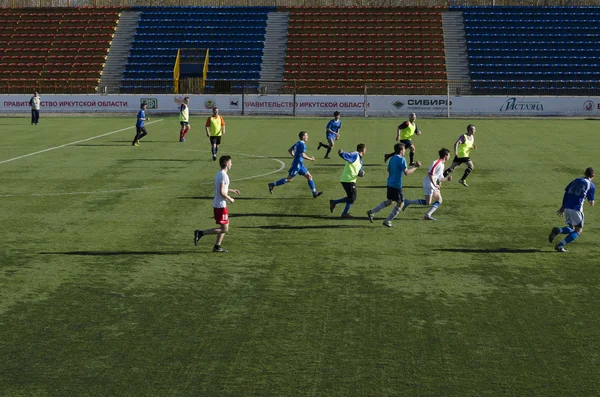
[
  {"x": 328, "y": 151},
  {"x": 418, "y": 201},
  {"x": 412, "y": 157},
  {"x": 393, "y": 214},
  {"x": 137, "y": 136},
  {"x": 181, "y": 134},
  {"x": 321, "y": 144},
  {"x": 213, "y": 150},
  {"x": 339, "y": 201},
  {"x": 565, "y": 230},
  {"x": 311, "y": 185},
  {"x": 280, "y": 182},
  {"x": 569, "y": 239},
  {"x": 466, "y": 174},
  {"x": 348, "y": 205},
  {"x": 434, "y": 207},
  {"x": 447, "y": 172},
  {"x": 381, "y": 206},
  {"x": 216, "y": 150},
  {"x": 185, "y": 132}
]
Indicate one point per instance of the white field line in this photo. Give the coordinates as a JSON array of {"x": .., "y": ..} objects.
[
  {"x": 71, "y": 143},
  {"x": 147, "y": 188}
]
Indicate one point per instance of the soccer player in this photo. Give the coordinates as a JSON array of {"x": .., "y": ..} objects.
[
  {"x": 576, "y": 193},
  {"x": 352, "y": 170},
  {"x": 298, "y": 151},
  {"x": 332, "y": 133},
  {"x": 140, "y": 130},
  {"x": 215, "y": 129},
  {"x": 404, "y": 134},
  {"x": 34, "y": 102},
  {"x": 432, "y": 185},
  {"x": 396, "y": 169},
  {"x": 221, "y": 197},
  {"x": 462, "y": 151},
  {"x": 184, "y": 119}
]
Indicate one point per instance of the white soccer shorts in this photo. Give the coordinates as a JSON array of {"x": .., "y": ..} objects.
[
  {"x": 428, "y": 188},
  {"x": 574, "y": 218}
]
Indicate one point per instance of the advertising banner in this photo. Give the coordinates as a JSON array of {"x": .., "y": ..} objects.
[{"x": 308, "y": 105}]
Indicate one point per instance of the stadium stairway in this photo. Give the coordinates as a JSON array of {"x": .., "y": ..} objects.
[
  {"x": 119, "y": 52},
  {"x": 273, "y": 60},
  {"x": 455, "y": 50}
]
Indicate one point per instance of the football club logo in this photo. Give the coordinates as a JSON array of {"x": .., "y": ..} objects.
[
  {"x": 209, "y": 104},
  {"x": 151, "y": 103},
  {"x": 588, "y": 105},
  {"x": 398, "y": 104}
]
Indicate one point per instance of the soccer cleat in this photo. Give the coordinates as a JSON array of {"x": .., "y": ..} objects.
[
  {"x": 404, "y": 206},
  {"x": 182, "y": 140},
  {"x": 214, "y": 157},
  {"x": 197, "y": 236},
  {"x": 136, "y": 143},
  {"x": 386, "y": 157},
  {"x": 327, "y": 157},
  {"x": 555, "y": 232},
  {"x": 387, "y": 224},
  {"x": 317, "y": 194},
  {"x": 331, "y": 206},
  {"x": 347, "y": 216},
  {"x": 560, "y": 248},
  {"x": 462, "y": 182},
  {"x": 370, "y": 215},
  {"x": 219, "y": 249},
  {"x": 319, "y": 147},
  {"x": 271, "y": 187},
  {"x": 412, "y": 164},
  {"x": 429, "y": 218}
]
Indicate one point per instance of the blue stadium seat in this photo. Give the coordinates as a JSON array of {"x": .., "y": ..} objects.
[
  {"x": 523, "y": 50},
  {"x": 234, "y": 35}
]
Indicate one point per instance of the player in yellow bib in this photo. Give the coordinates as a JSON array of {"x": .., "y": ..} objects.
[
  {"x": 184, "y": 119},
  {"x": 462, "y": 150},
  {"x": 352, "y": 170},
  {"x": 405, "y": 132},
  {"x": 215, "y": 129}
]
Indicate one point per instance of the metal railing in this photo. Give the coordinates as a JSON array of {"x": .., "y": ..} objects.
[
  {"x": 307, "y": 87},
  {"x": 292, "y": 3}
]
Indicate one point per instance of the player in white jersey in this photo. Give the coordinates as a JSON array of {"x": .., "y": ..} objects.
[
  {"x": 432, "y": 185},
  {"x": 220, "y": 205}
]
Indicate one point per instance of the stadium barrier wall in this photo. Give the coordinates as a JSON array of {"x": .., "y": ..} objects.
[{"x": 310, "y": 105}]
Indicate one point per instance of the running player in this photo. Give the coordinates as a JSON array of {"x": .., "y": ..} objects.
[
  {"x": 432, "y": 185},
  {"x": 220, "y": 212},
  {"x": 576, "y": 193},
  {"x": 184, "y": 119},
  {"x": 396, "y": 169},
  {"x": 462, "y": 151},
  {"x": 352, "y": 170},
  {"x": 215, "y": 129},
  {"x": 298, "y": 151},
  {"x": 332, "y": 133},
  {"x": 140, "y": 130},
  {"x": 404, "y": 134}
]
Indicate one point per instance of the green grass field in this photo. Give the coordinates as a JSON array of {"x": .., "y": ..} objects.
[{"x": 102, "y": 291}]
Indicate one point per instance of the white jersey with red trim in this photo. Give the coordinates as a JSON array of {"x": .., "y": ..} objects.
[{"x": 437, "y": 171}]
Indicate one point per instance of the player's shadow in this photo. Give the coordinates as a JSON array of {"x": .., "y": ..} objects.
[
  {"x": 288, "y": 227},
  {"x": 271, "y": 215},
  {"x": 100, "y": 145},
  {"x": 178, "y": 160},
  {"x": 384, "y": 187},
  {"x": 211, "y": 198},
  {"x": 118, "y": 253},
  {"x": 492, "y": 250}
]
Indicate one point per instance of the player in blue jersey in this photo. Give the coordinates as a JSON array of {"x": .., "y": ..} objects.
[
  {"x": 298, "y": 151},
  {"x": 576, "y": 193},
  {"x": 332, "y": 133},
  {"x": 140, "y": 130},
  {"x": 396, "y": 169}
]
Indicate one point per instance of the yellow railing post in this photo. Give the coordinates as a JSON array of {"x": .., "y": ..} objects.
[{"x": 176, "y": 72}]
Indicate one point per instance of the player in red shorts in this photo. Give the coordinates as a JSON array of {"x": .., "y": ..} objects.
[{"x": 220, "y": 205}]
